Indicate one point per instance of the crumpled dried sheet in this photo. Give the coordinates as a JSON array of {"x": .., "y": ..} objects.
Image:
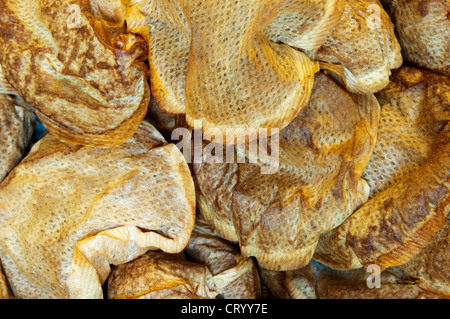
[
  {"x": 408, "y": 175},
  {"x": 423, "y": 28},
  {"x": 206, "y": 274},
  {"x": 278, "y": 217},
  {"x": 68, "y": 212},
  {"x": 362, "y": 48},
  {"x": 17, "y": 122},
  {"x": 235, "y": 275},
  {"x": 249, "y": 72},
  {"x": 78, "y": 67}
]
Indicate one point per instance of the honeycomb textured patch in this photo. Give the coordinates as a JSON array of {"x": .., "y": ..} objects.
[
  {"x": 233, "y": 64},
  {"x": 362, "y": 48},
  {"x": 17, "y": 122},
  {"x": 277, "y": 216},
  {"x": 77, "y": 67},
  {"x": 68, "y": 212},
  {"x": 408, "y": 176},
  {"x": 423, "y": 28}
]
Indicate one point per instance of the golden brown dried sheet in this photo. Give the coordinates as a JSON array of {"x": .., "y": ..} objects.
[
  {"x": 4, "y": 291},
  {"x": 293, "y": 284},
  {"x": 423, "y": 28},
  {"x": 362, "y": 48},
  {"x": 322, "y": 154},
  {"x": 408, "y": 175},
  {"x": 208, "y": 268},
  {"x": 68, "y": 212},
  {"x": 237, "y": 275},
  {"x": 247, "y": 71},
  {"x": 431, "y": 267},
  {"x": 17, "y": 122},
  {"x": 355, "y": 284},
  {"x": 83, "y": 74}
]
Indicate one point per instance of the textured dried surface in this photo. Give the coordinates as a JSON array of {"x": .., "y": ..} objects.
[
  {"x": 221, "y": 257},
  {"x": 294, "y": 284},
  {"x": 157, "y": 275},
  {"x": 213, "y": 268},
  {"x": 362, "y": 48},
  {"x": 77, "y": 67},
  {"x": 68, "y": 212},
  {"x": 245, "y": 73},
  {"x": 353, "y": 284},
  {"x": 431, "y": 267},
  {"x": 17, "y": 122},
  {"x": 408, "y": 174},
  {"x": 278, "y": 217},
  {"x": 423, "y": 28},
  {"x": 4, "y": 291}
]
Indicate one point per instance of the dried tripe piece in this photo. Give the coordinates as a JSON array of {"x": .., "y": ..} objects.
[
  {"x": 17, "y": 122},
  {"x": 423, "y": 28},
  {"x": 277, "y": 214},
  {"x": 77, "y": 66},
  {"x": 409, "y": 178},
  {"x": 233, "y": 64},
  {"x": 68, "y": 212},
  {"x": 362, "y": 48},
  {"x": 209, "y": 268}
]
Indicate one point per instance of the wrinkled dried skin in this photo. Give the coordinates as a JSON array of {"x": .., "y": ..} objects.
[
  {"x": 5, "y": 87},
  {"x": 82, "y": 72},
  {"x": 355, "y": 284},
  {"x": 408, "y": 175},
  {"x": 431, "y": 267},
  {"x": 278, "y": 217},
  {"x": 294, "y": 284},
  {"x": 362, "y": 48},
  {"x": 157, "y": 275},
  {"x": 246, "y": 74},
  {"x": 17, "y": 122},
  {"x": 422, "y": 29},
  {"x": 68, "y": 212},
  {"x": 224, "y": 259}
]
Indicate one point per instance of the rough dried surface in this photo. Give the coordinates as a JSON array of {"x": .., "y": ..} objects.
[
  {"x": 17, "y": 122},
  {"x": 408, "y": 174},
  {"x": 423, "y": 28},
  {"x": 157, "y": 275},
  {"x": 362, "y": 48},
  {"x": 77, "y": 67},
  {"x": 278, "y": 217},
  {"x": 68, "y": 212},
  {"x": 258, "y": 78},
  {"x": 356, "y": 284},
  {"x": 221, "y": 257},
  {"x": 431, "y": 267},
  {"x": 294, "y": 284}
]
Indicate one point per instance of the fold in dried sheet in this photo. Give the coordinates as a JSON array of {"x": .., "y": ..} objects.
[
  {"x": 84, "y": 75},
  {"x": 358, "y": 284},
  {"x": 4, "y": 291},
  {"x": 278, "y": 217},
  {"x": 362, "y": 48},
  {"x": 408, "y": 175},
  {"x": 293, "y": 284},
  {"x": 259, "y": 78},
  {"x": 17, "y": 122},
  {"x": 422, "y": 28},
  {"x": 431, "y": 267},
  {"x": 68, "y": 212},
  {"x": 223, "y": 259}
]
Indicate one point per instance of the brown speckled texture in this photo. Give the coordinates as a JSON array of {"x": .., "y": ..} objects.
[
  {"x": 422, "y": 28},
  {"x": 408, "y": 174},
  {"x": 68, "y": 212},
  {"x": 260, "y": 76},
  {"x": 278, "y": 217},
  {"x": 86, "y": 81}
]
